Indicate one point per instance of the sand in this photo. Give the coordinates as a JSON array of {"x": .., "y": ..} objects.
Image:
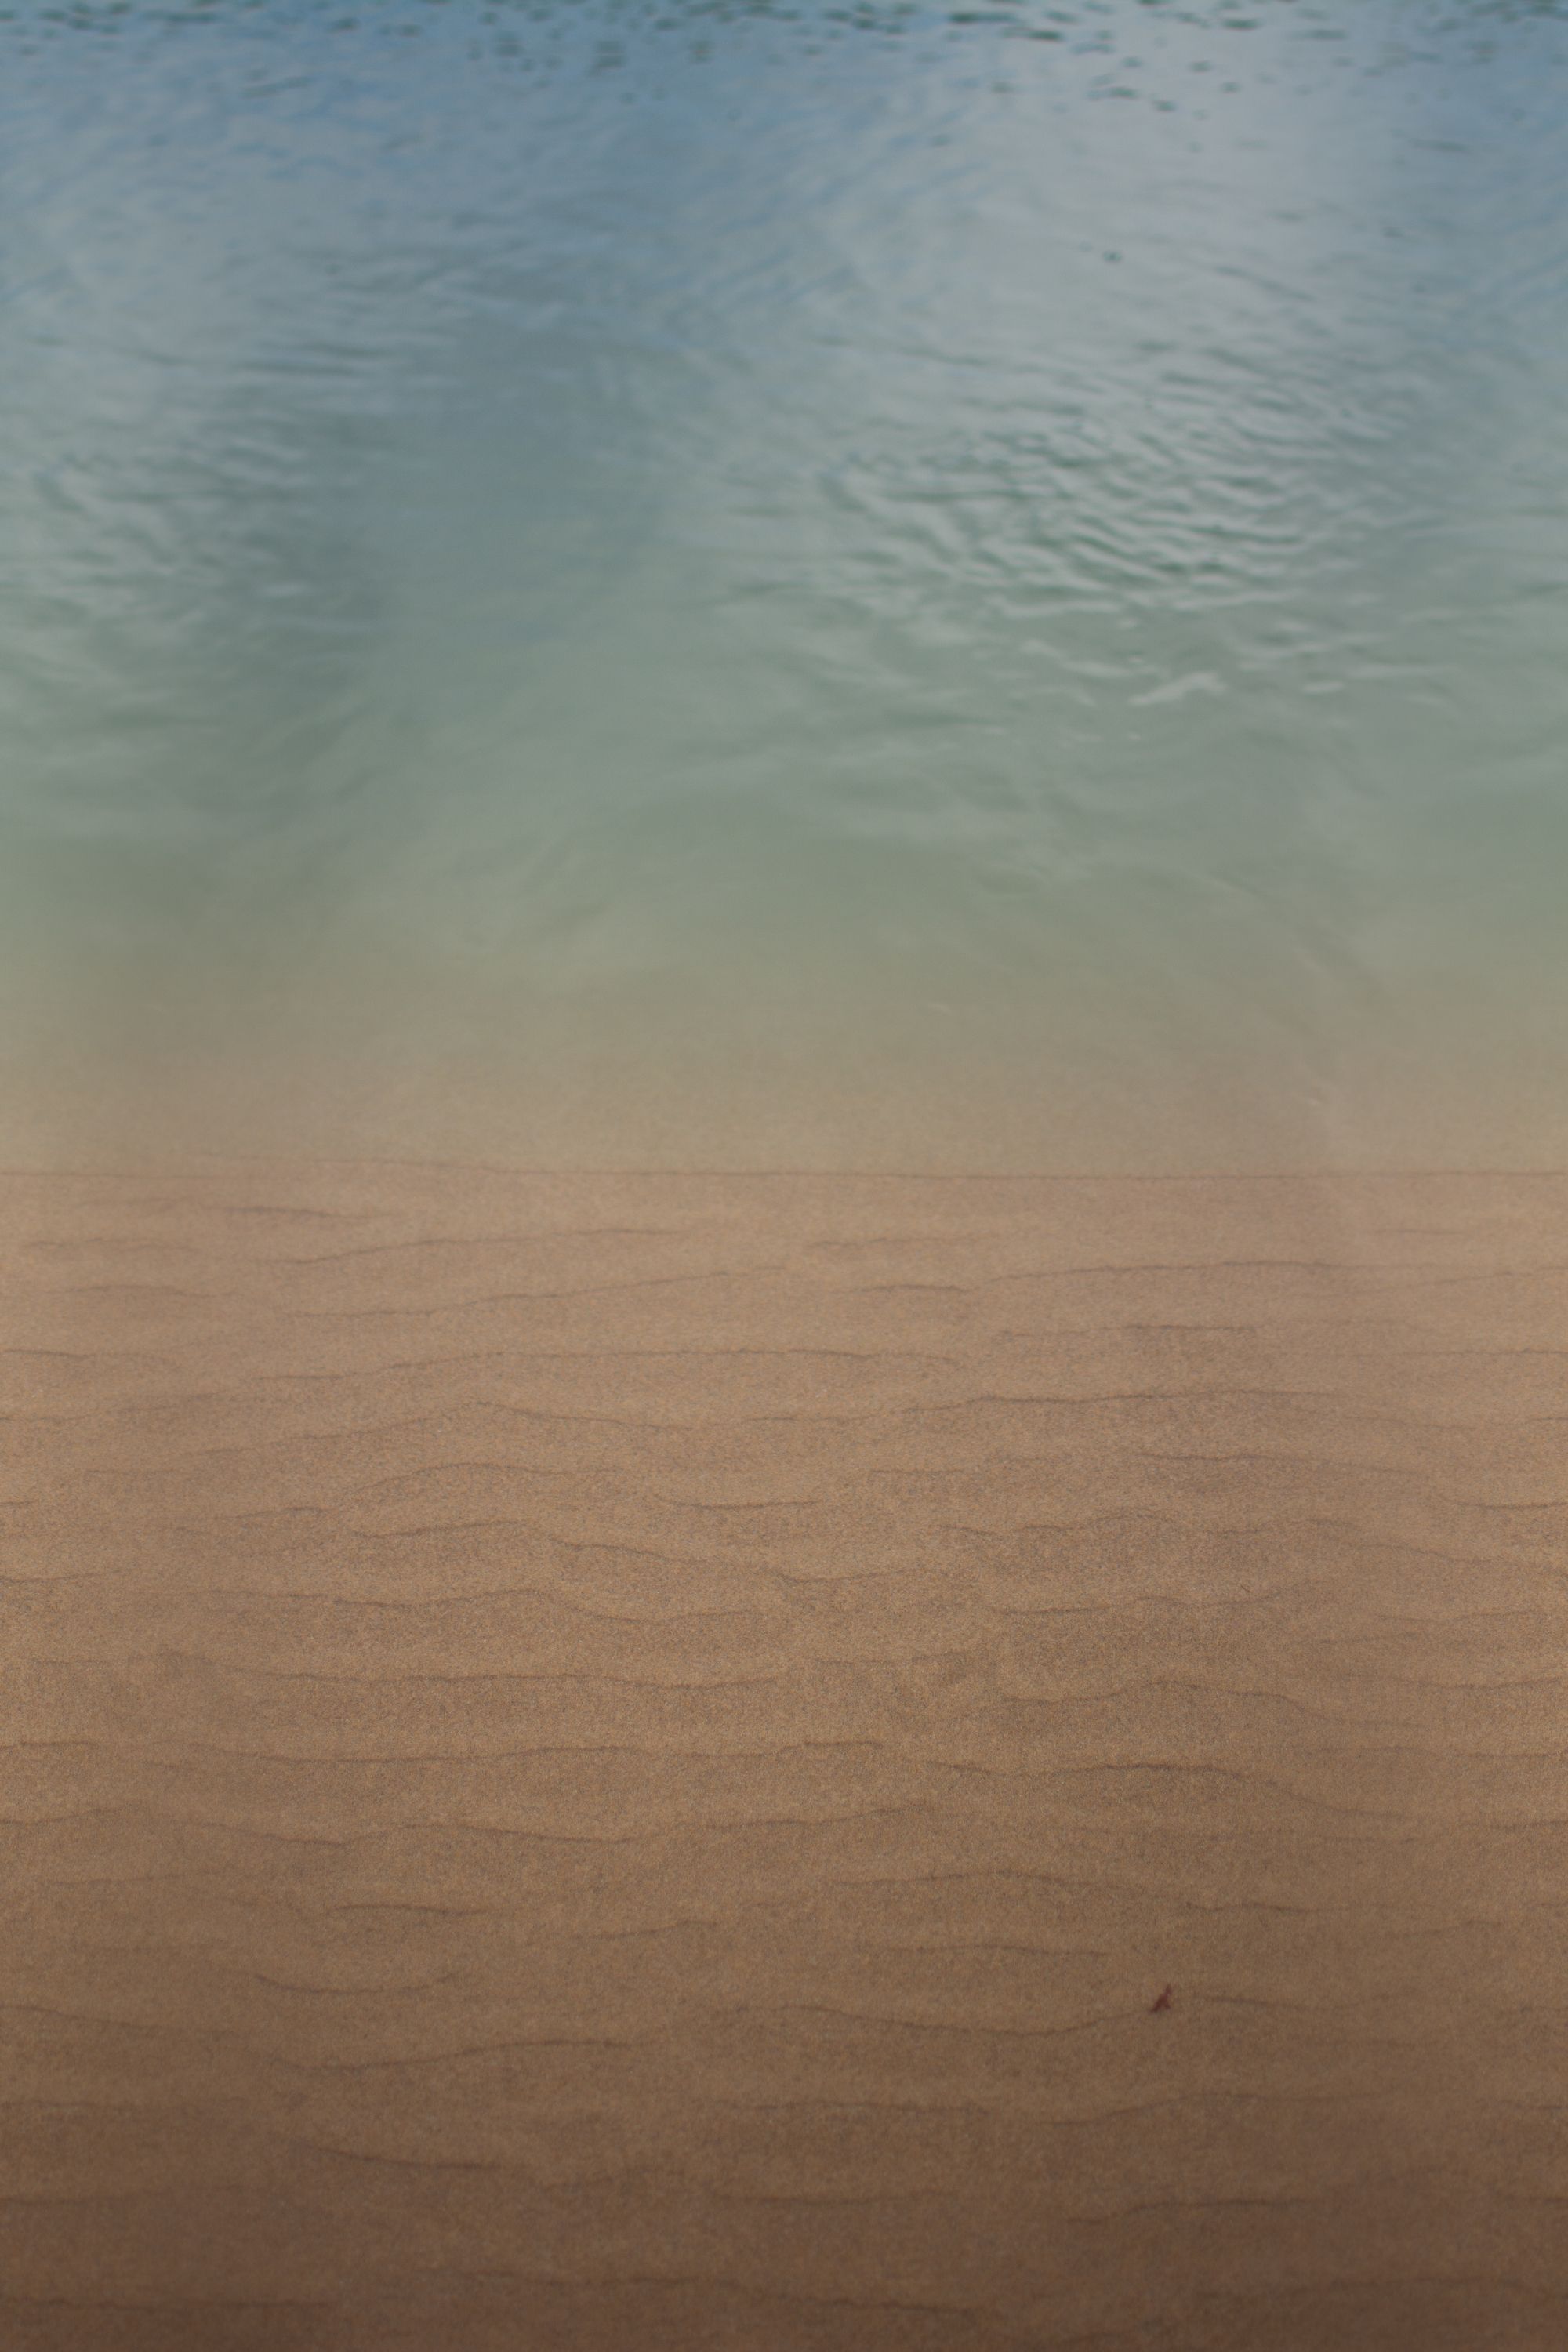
[{"x": 627, "y": 1761}]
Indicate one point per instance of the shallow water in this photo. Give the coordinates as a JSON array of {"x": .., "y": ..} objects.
[{"x": 857, "y": 587}]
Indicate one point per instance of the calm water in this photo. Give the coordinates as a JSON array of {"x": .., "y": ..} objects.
[{"x": 813, "y": 585}]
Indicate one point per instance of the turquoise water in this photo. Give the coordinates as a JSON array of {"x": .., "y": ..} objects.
[{"x": 745, "y": 584}]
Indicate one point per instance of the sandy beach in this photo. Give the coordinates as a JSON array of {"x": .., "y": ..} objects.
[{"x": 783, "y": 1762}]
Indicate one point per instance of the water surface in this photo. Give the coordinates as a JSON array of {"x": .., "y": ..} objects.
[{"x": 750, "y": 585}]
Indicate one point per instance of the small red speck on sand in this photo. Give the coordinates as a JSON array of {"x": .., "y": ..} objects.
[{"x": 1163, "y": 2002}]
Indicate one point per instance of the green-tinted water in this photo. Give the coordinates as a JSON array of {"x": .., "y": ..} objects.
[{"x": 808, "y": 585}]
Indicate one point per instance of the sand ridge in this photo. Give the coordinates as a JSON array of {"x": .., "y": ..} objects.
[{"x": 624, "y": 1760}]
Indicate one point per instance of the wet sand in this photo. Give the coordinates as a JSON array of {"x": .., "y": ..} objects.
[{"x": 625, "y": 1761}]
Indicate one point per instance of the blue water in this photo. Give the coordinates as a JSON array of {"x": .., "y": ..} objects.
[{"x": 752, "y": 585}]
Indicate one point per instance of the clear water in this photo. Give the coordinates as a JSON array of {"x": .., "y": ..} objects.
[{"x": 812, "y": 586}]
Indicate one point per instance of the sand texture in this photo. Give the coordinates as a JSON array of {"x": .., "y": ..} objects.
[{"x": 623, "y": 1761}]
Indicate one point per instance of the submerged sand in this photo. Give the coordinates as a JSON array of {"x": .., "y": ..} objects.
[{"x": 625, "y": 1761}]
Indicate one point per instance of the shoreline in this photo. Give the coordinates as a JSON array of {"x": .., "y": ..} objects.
[{"x": 628, "y": 1758}]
